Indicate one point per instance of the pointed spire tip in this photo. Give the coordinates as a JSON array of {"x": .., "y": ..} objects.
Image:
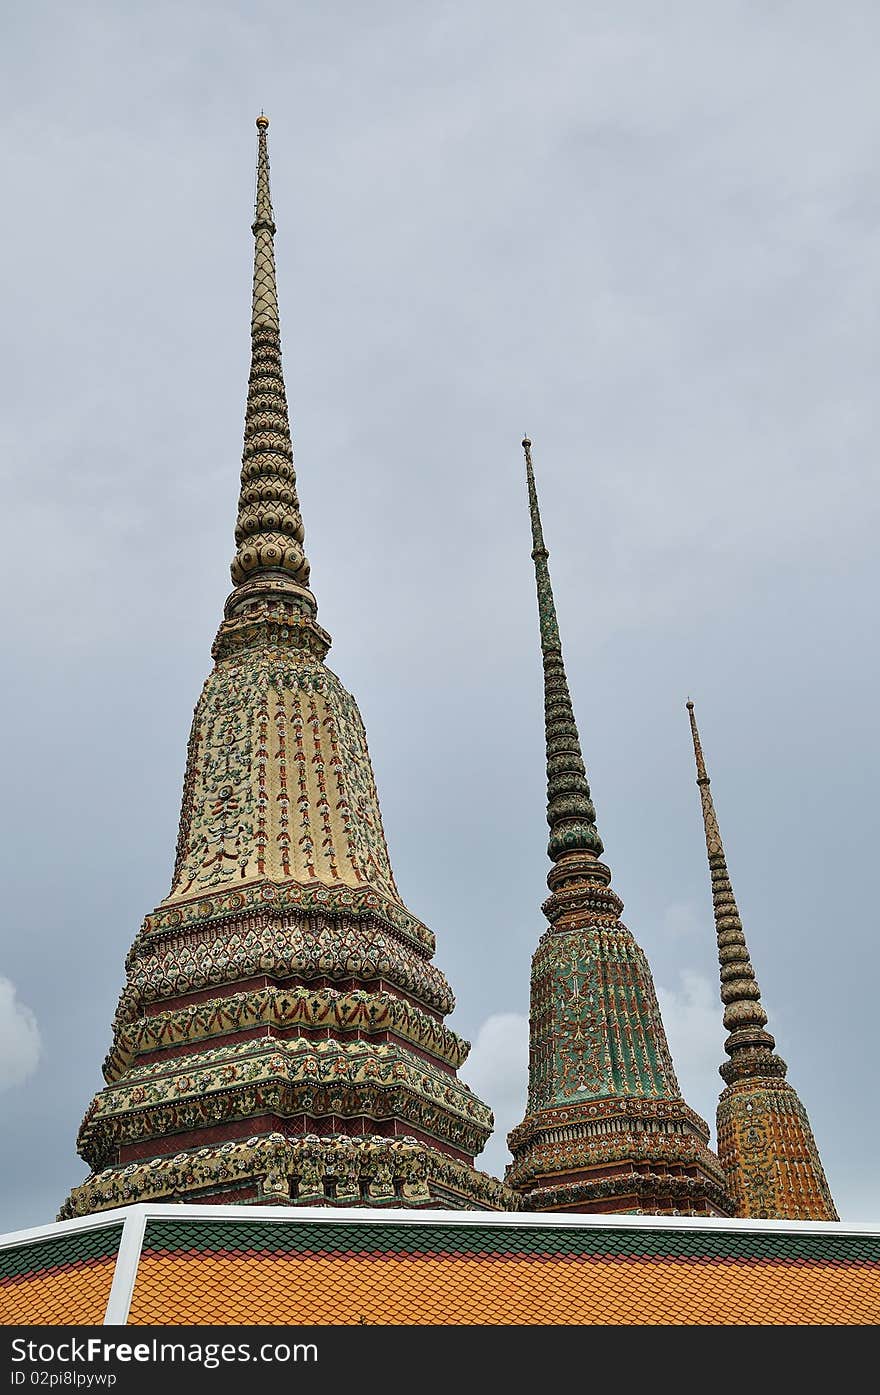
[{"x": 269, "y": 532}]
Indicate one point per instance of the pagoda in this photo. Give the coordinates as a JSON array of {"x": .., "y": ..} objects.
[
  {"x": 765, "y": 1142},
  {"x": 280, "y": 1037},
  {"x": 606, "y": 1128}
]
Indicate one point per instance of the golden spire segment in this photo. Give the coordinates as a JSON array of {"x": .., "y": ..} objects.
[
  {"x": 269, "y": 531},
  {"x": 265, "y": 297},
  {"x": 710, "y": 822}
]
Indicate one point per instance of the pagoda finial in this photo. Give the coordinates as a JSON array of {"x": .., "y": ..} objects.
[
  {"x": 269, "y": 560},
  {"x": 749, "y": 1046},
  {"x": 570, "y": 810}
]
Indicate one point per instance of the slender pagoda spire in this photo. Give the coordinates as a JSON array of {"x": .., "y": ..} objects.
[
  {"x": 606, "y": 1128},
  {"x": 570, "y": 811},
  {"x": 765, "y": 1142},
  {"x": 280, "y": 1036},
  {"x": 269, "y": 532}
]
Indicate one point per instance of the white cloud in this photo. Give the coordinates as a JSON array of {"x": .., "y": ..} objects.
[
  {"x": 692, "y": 1017},
  {"x": 498, "y": 1071},
  {"x": 20, "y": 1044}
]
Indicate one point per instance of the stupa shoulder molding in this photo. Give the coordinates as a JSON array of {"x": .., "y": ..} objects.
[
  {"x": 282, "y": 947},
  {"x": 333, "y": 1172},
  {"x": 255, "y": 904},
  {"x": 284, "y": 1009}
]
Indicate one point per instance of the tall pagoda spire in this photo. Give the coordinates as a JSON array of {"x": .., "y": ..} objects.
[
  {"x": 765, "y": 1142},
  {"x": 606, "y": 1128},
  {"x": 570, "y": 811},
  {"x": 281, "y": 1035},
  {"x": 269, "y": 532}
]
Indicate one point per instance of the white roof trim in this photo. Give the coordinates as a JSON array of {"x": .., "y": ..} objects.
[
  {"x": 95, "y": 1221},
  {"x": 125, "y": 1273},
  {"x": 143, "y": 1212}
]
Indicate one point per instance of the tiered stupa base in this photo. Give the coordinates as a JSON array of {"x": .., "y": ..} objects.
[
  {"x": 312, "y": 1171},
  {"x": 284, "y": 1043},
  {"x": 632, "y": 1156}
]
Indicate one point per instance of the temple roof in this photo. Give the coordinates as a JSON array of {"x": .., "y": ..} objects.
[{"x": 191, "y": 1265}]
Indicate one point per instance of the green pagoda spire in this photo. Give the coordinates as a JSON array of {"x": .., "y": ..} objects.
[
  {"x": 606, "y": 1128},
  {"x": 570, "y": 811}
]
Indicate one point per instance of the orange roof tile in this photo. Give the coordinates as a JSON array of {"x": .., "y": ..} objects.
[{"x": 203, "y": 1265}]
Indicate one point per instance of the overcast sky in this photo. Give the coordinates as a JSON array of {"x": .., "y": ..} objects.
[{"x": 647, "y": 234}]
